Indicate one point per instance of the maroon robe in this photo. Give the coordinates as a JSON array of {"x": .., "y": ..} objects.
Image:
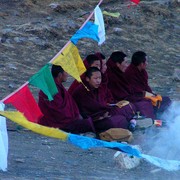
[
  {"x": 138, "y": 79},
  {"x": 139, "y": 82},
  {"x": 122, "y": 90},
  {"x": 62, "y": 112},
  {"x": 93, "y": 103},
  {"x": 75, "y": 83}
]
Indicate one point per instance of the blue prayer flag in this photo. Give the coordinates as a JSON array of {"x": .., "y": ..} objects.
[{"x": 90, "y": 30}]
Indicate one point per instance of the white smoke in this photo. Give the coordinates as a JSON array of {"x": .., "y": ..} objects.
[{"x": 166, "y": 142}]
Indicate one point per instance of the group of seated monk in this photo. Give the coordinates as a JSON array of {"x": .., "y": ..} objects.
[{"x": 111, "y": 94}]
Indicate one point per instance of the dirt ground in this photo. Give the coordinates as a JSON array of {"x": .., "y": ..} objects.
[{"x": 32, "y": 32}]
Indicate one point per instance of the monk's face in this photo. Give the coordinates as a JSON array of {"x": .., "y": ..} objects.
[
  {"x": 123, "y": 66},
  {"x": 144, "y": 65},
  {"x": 64, "y": 76},
  {"x": 104, "y": 66},
  {"x": 95, "y": 79},
  {"x": 96, "y": 64}
]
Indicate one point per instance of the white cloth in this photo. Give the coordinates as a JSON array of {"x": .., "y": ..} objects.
[
  {"x": 3, "y": 141},
  {"x": 100, "y": 22}
]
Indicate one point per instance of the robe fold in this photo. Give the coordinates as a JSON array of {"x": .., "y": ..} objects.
[
  {"x": 93, "y": 103},
  {"x": 137, "y": 79},
  {"x": 121, "y": 89},
  {"x": 62, "y": 112},
  {"x": 139, "y": 82}
]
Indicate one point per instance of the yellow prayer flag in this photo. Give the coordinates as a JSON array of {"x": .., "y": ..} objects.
[
  {"x": 20, "y": 119},
  {"x": 111, "y": 14},
  {"x": 71, "y": 61}
]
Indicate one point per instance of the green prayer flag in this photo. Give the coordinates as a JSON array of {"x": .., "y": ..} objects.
[
  {"x": 116, "y": 14},
  {"x": 43, "y": 80}
]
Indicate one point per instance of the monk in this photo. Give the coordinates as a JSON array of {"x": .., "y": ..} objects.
[
  {"x": 93, "y": 104},
  {"x": 90, "y": 61},
  {"x": 104, "y": 83},
  {"x": 137, "y": 76},
  {"x": 62, "y": 112},
  {"x": 121, "y": 89}
]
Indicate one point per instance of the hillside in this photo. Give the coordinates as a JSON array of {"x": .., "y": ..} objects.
[{"x": 32, "y": 32}]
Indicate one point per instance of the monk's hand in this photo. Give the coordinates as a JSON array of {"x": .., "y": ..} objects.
[
  {"x": 101, "y": 117},
  {"x": 148, "y": 94},
  {"x": 106, "y": 115}
]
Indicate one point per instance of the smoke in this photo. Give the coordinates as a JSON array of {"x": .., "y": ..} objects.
[{"x": 164, "y": 142}]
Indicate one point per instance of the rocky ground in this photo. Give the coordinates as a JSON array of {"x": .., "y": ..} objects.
[{"x": 32, "y": 32}]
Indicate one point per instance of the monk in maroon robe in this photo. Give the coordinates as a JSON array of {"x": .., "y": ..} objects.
[
  {"x": 62, "y": 112},
  {"x": 104, "y": 83},
  {"x": 138, "y": 78},
  {"x": 121, "y": 89},
  {"x": 90, "y": 61},
  {"x": 93, "y": 104}
]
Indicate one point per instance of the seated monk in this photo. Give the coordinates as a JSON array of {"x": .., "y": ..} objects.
[
  {"x": 121, "y": 89},
  {"x": 104, "y": 82},
  {"x": 90, "y": 61},
  {"x": 93, "y": 60},
  {"x": 92, "y": 103},
  {"x": 62, "y": 112},
  {"x": 137, "y": 76}
]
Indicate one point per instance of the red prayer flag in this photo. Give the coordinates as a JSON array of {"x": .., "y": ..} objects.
[
  {"x": 24, "y": 102},
  {"x": 135, "y": 1}
]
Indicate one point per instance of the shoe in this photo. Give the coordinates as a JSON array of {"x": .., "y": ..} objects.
[
  {"x": 139, "y": 117},
  {"x": 132, "y": 125},
  {"x": 144, "y": 123}
]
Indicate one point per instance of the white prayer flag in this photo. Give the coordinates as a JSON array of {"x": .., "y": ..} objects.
[
  {"x": 100, "y": 22},
  {"x": 3, "y": 141}
]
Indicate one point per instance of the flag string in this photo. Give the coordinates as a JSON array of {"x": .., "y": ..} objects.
[{"x": 89, "y": 17}]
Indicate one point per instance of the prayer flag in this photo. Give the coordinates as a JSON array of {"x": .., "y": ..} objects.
[
  {"x": 71, "y": 61},
  {"x": 90, "y": 30},
  {"x": 20, "y": 119},
  {"x": 169, "y": 165},
  {"x": 44, "y": 81},
  {"x": 3, "y": 141},
  {"x": 111, "y": 14},
  {"x": 135, "y": 1},
  {"x": 24, "y": 102},
  {"x": 87, "y": 143},
  {"x": 100, "y": 22}
]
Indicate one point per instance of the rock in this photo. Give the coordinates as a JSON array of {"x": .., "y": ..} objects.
[
  {"x": 7, "y": 30},
  {"x": 55, "y": 25},
  {"x": 12, "y": 66},
  {"x": 72, "y": 24},
  {"x": 49, "y": 18},
  {"x": 126, "y": 161},
  {"x": 19, "y": 160},
  {"x": 3, "y": 38},
  {"x": 11, "y": 85},
  {"x": 89, "y": 134},
  {"x": 116, "y": 29},
  {"x": 20, "y": 39},
  {"x": 176, "y": 75},
  {"x": 55, "y": 6}
]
